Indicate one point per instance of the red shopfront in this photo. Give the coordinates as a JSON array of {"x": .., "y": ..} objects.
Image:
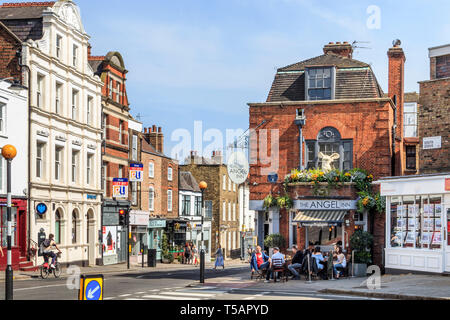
[{"x": 19, "y": 235}]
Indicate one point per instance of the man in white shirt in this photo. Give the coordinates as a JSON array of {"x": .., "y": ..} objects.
[{"x": 276, "y": 261}]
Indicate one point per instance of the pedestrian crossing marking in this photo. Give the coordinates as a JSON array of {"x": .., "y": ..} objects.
[
  {"x": 159, "y": 297},
  {"x": 206, "y": 295}
]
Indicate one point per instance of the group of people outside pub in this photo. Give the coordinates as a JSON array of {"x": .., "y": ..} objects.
[{"x": 310, "y": 261}]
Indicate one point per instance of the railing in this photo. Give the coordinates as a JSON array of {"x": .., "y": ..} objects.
[{"x": 33, "y": 251}]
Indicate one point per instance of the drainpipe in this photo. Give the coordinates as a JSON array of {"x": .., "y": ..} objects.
[{"x": 300, "y": 121}]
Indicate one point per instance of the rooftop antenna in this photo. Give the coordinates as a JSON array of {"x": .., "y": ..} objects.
[{"x": 356, "y": 43}]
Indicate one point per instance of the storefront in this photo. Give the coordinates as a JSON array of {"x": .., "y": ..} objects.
[
  {"x": 114, "y": 236},
  {"x": 19, "y": 230},
  {"x": 417, "y": 223},
  {"x": 139, "y": 221},
  {"x": 176, "y": 233},
  {"x": 194, "y": 235},
  {"x": 155, "y": 233}
]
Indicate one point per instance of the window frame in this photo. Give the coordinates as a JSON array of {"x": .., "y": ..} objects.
[
  {"x": 58, "y": 46},
  {"x": 75, "y": 164},
  {"x": 407, "y": 125},
  {"x": 75, "y": 103},
  {"x": 151, "y": 170},
  {"x": 75, "y": 55},
  {"x": 169, "y": 203},
  {"x": 409, "y": 156},
  {"x": 40, "y": 88},
  {"x": 151, "y": 199},
  {"x": 332, "y": 87},
  {"x": 3, "y": 129},
  {"x": 40, "y": 151},
  {"x": 169, "y": 174}
]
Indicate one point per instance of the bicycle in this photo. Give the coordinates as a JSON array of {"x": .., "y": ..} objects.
[{"x": 46, "y": 269}]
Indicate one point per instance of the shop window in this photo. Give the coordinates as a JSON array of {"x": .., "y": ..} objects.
[
  {"x": 416, "y": 222},
  {"x": 411, "y": 158},
  {"x": 329, "y": 142}
]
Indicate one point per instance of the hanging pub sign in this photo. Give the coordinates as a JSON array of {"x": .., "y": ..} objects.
[
  {"x": 120, "y": 188},
  {"x": 136, "y": 172},
  {"x": 238, "y": 167}
]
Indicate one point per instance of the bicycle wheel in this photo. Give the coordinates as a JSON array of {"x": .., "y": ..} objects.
[
  {"x": 57, "y": 271},
  {"x": 44, "y": 273}
]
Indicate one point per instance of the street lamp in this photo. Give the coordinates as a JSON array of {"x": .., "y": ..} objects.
[
  {"x": 9, "y": 152},
  {"x": 203, "y": 186}
]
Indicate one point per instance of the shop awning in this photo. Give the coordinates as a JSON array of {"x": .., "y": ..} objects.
[{"x": 320, "y": 217}]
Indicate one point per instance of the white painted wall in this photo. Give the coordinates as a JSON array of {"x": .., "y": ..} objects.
[
  {"x": 246, "y": 216},
  {"x": 14, "y": 108}
]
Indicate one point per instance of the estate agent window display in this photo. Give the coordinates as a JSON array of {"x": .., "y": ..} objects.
[{"x": 416, "y": 222}]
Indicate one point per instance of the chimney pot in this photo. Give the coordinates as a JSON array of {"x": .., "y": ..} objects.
[
  {"x": 159, "y": 130},
  {"x": 341, "y": 49}
]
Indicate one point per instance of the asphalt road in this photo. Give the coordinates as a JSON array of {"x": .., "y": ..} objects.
[{"x": 165, "y": 285}]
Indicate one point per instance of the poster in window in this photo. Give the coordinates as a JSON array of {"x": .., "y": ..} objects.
[
  {"x": 438, "y": 210},
  {"x": 413, "y": 210},
  {"x": 437, "y": 239},
  {"x": 428, "y": 209},
  {"x": 109, "y": 241},
  {"x": 400, "y": 223},
  {"x": 411, "y": 237},
  {"x": 412, "y": 223},
  {"x": 428, "y": 224},
  {"x": 400, "y": 211},
  {"x": 426, "y": 238},
  {"x": 438, "y": 223}
]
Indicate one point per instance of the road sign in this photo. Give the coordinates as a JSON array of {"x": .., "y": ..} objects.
[
  {"x": 136, "y": 172},
  {"x": 120, "y": 188},
  {"x": 91, "y": 288}
]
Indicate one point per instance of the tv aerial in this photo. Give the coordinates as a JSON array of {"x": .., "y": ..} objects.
[{"x": 356, "y": 45}]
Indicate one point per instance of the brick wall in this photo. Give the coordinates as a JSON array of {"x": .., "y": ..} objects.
[
  {"x": 434, "y": 120},
  {"x": 366, "y": 123},
  {"x": 8, "y": 61}
]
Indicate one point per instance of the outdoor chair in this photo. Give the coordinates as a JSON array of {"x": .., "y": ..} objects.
[
  {"x": 259, "y": 275},
  {"x": 278, "y": 269}
]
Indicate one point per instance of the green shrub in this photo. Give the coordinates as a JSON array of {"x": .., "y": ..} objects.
[
  {"x": 361, "y": 242},
  {"x": 275, "y": 240}
]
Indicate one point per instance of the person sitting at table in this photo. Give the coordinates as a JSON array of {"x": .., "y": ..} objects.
[
  {"x": 259, "y": 260},
  {"x": 296, "y": 263},
  {"x": 276, "y": 261},
  {"x": 319, "y": 258},
  {"x": 340, "y": 263}
]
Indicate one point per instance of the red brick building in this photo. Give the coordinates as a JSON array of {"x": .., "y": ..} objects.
[
  {"x": 337, "y": 106},
  {"x": 116, "y": 142},
  {"x": 434, "y": 114}
]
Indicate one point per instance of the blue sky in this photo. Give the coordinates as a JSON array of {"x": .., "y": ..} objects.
[{"x": 205, "y": 60}]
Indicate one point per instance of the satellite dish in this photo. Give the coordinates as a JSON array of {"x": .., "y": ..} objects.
[{"x": 396, "y": 43}]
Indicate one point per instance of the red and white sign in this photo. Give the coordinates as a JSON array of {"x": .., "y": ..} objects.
[{"x": 447, "y": 184}]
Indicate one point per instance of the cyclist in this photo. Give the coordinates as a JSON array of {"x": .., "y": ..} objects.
[{"x": 48, "y": 244}]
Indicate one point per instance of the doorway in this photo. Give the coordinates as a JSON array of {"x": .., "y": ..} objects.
[{"x": 22, "y": 234}]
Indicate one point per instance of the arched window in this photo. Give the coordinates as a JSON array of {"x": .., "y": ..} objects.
[
  {"x": 58, "y": 227},
  {"x": 74, "y": 227},
  {"x": 329, "y": 142}
]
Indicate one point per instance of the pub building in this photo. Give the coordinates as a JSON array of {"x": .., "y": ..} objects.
[
  {"x": 326, "y": 112},
  {"x": 417, "y": 223}
]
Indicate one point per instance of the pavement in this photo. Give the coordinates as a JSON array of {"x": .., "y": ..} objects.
[{"x": 393, "y": 287}]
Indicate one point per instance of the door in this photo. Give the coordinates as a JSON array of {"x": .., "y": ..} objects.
[
  {"x": 22, "y": 236},
  {"x": 447, "y": 242}
]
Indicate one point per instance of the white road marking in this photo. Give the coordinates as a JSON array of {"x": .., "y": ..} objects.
[
  {"x": 139, "y": 292},
  {"x": 125, "y": 295},
  {"x": 250, "y": 298},
  {"x": 110, "y": 298},
  {"x": 133, "y": 299},
  {"x": 40, "y": 287},
  {"x": 168, "y": 298},
  {"x": 188, "y": 294}
]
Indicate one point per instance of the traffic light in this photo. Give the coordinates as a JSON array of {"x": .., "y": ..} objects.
[{"x": 123, "y": 217}]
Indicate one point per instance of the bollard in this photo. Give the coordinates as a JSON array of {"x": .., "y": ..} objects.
[
  {"x": 202, "y": 266},
  {"x": 309, "y": 270},
  {"x": 353, "y": 264},
  {"x": 332, "y": 266}
]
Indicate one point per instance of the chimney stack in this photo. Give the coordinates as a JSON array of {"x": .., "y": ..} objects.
[
  {"x": 89, "y": 50},
  {"x": 341, "y": 49},
  {"x": 155, "y": 137},
  {"x": 397, "y": 61},
  {"x": 217, "y": 157}
]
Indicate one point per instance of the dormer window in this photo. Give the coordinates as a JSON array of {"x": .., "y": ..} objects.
[{"x": 320, "y": 83}]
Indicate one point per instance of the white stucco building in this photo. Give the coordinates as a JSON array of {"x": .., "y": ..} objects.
[{"x": 65, "y": 133}]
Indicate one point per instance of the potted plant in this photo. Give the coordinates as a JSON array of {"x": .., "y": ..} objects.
[
  {"x": 167, "y": 257},
  {"x": 274, "y": 240},
  {"x": 361, "y": 242}
]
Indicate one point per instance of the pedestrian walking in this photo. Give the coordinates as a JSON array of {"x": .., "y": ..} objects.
[
  {"x": 195, "y": 253},
  {"x": 219, "y": 258},
  {"x": 187, "y": 253}
]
